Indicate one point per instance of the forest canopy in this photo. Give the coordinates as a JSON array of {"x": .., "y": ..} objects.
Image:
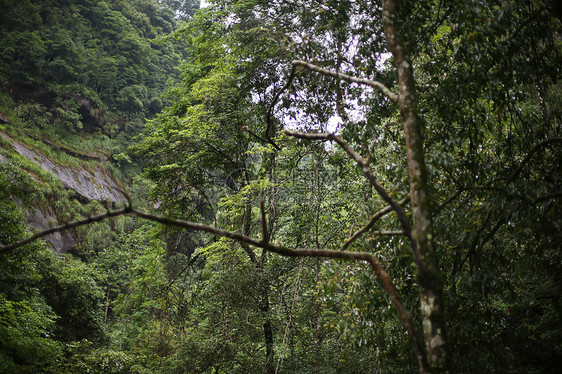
[{"x": 341, "y": 186}]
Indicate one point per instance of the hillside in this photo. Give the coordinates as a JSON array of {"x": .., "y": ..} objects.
[{"x": 78, "y": 80}]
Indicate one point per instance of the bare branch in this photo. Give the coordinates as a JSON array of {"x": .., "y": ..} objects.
[
  {"x": 349, "y": 78},
  {"x": 396, "y": 300},
  {"x": 372, "y": 221}
]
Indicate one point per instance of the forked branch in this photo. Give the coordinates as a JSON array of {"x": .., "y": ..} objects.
[
  {"x": 291, "y": 252},
  {"x": 387, "y": 92},
  {"x": 372, "y": 221}
]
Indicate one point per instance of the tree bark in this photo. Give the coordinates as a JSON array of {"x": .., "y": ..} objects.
[
  {"x": 268, "y": 332},
  {"x": 429, "y": 277}
]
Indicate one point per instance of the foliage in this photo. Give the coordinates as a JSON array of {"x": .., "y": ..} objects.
[
  {"x": 26, "y": 320},
  {"x": 87, "y": 67},
  {"x": 44, "y": 300},
  {"x": 492, "y": 145},
  {"x": 487, "y": 75},
  {"x": 83, "y": 358},
  {"x": 25, "y": 343}
]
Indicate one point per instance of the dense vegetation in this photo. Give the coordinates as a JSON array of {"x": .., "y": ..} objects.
[{"x": 418, "y": 225}]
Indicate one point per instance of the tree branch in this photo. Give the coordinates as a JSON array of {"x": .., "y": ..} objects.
[
  {"x": 189, "y": 263},
  {"x": 290, "y": 252},
  {"x": 279, "y": 249},
  {"x": 349, "y": 78},
  {"x": 534, "y": 150},
  {"x": 372, "y": 221},
  {"x": 462, "y": 189},
  {"x": 66, "y": 226},
  {"x": 268, "y": 116},
  {"x": 265, "y": 140}
]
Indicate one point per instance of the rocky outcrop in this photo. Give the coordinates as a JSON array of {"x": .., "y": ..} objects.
[
  {"x": 93, "y": 184},
  {"x": 92, "y": 116},
  {"x": 60, "y": 241}
]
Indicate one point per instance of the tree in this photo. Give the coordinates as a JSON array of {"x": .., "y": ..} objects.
[
  {"x": 45, "y": 301},
  {"x": 199, "y": 156},
  {"x": 481, "y": 224},
  {"x": 184, "y": 9}
]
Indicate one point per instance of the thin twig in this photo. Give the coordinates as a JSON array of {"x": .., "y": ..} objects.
[
  {"x": 508, "y": 180},
  {"x": 189, "y": 263},
  {"x": 372, "y": 221}
]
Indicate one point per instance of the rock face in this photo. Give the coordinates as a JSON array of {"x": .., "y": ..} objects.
[
  {"x": 61, "y": 241},
  {"x": 93, "y": 185}
]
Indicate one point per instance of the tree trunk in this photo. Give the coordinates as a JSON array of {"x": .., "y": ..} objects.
[
  {"x": 429, "y": 278},
  {"x": 267, "y": 330},
  {"x": 319, "y": 330},
  {"x": 106, "y": 306}
]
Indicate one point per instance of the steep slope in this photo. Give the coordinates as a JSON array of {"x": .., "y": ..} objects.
[
  {"x": 77, "y": 79},
  {"x": 96, "y": 184}
]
